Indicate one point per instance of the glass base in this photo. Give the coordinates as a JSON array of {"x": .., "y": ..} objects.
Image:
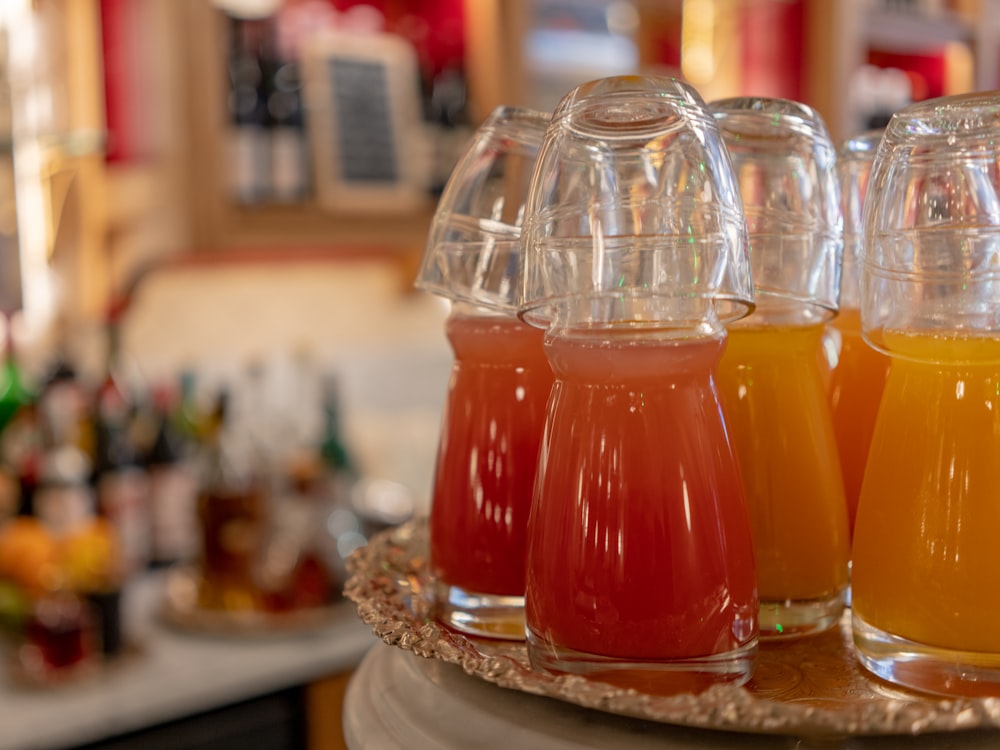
[
  {"x": 925, "y": 668},
  {"x": 792, "y": 618},
  {"x": 655, "y": 676},
  {"x": 484, "y": 615}
]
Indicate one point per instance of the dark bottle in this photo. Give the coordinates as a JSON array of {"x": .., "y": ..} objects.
[
  {"x": 21, "y": 450},
  {"x": 289, "y": 147},
  {"x": 249, "y": 166},
  {"x": 333, "y": 446},
  {"x": 173, "y": 488},
  {"x": 91, "y": 551},
  {"x": 232, "y": 518},
  {"x": 448, "y": 122},
  {"x": 120, "y": 480}
]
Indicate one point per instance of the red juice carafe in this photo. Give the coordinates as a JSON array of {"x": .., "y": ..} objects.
[
  {"x": 500, "y": 382},
  {"x": 641, "y": 568}
]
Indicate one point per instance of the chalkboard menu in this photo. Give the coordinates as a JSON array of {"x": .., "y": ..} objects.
[{"x": 365, "y": 123}]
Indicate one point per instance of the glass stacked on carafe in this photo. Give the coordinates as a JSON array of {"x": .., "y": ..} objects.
[
  {"x": 640, "y": 561},
  {"x": 500, "y": 381},
  {"x": 771, "y": 377},
  {"x": 925, "y": 548},
  {"x": 858, "y": 371}
]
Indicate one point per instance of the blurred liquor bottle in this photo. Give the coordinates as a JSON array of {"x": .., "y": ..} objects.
[
  {"x": 290, "y": 181},
  {"x": 232, "y": 516},
  {"x": 249, "y": 148},
  {"x": 15, "y": 390},
  {"x": 119, "y": 478},
  {"x": 173, "y": 485}
]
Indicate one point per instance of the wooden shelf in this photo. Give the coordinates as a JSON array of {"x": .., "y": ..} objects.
[{"x": 218, "y": 223}]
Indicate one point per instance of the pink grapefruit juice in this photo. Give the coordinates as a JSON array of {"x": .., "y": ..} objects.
[
  {"x": 640, "y": 545},
  {"x": 488, "y": 453}
]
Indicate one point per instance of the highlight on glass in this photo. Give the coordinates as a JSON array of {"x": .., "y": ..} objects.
[
  {"x": 925, "y": 547},
  {"x": 500, "y": 382},
  {"x": 640, "y": 561},
  {"x": 772, "y": 383}
]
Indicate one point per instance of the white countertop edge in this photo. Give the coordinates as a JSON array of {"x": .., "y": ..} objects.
[{"x": 174, "y": 675}]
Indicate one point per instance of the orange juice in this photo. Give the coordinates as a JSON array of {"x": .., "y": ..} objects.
[
  {"x": 856, "y": 385},
  {"x": 926, "y": 552},
  {"x": 777, "y": 409},
  {"x": 639, "y": 543},
  {"x": 488, "y": 453}
]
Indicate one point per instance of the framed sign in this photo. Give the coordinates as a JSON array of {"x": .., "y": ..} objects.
[{"x": 365, "y": 124}]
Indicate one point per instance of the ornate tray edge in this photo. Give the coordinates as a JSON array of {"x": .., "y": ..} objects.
[{"x": 387, "y": 581}]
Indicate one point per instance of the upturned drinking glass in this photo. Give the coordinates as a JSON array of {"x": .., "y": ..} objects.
[
  {"x": 771, "y": 379},
  {"x": 858, "y": 371},
  {"x": 925, "y": 542},
  {"x": 640, "y": 562},
  {"x": 500, "y": 382}
]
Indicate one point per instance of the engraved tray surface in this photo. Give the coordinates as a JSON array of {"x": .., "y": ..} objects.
[{"x": 808, "y": 686}]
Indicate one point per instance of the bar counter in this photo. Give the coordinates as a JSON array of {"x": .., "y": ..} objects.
[{"x": 171, "y": 675}]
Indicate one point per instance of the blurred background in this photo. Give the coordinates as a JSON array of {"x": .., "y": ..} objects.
[
  {"x": 186, "y": 162},
  {"x": 225, "y": 201}
]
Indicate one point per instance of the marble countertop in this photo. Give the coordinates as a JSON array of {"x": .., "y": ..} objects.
[{"x": 173, "y": 674}]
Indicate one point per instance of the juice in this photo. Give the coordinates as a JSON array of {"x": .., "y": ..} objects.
[
  {"x": 639, "y": 541},
  {"x": 488, "y": 454},
  {"x": 776, "y": 406},
  {"x": 925, "y": 551},
  {"x": 856, "y": 388}
]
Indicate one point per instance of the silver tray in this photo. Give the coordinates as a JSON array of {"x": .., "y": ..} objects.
[{"x": 809, "y": 686}]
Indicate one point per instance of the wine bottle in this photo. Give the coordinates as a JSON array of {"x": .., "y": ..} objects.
[
  {"x": 173, "y": 489},
  {"x": 249, "y": 137},
  {"x": 120, "y": 480}
]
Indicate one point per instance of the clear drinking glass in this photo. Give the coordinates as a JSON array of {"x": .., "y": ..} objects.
[
  {"x": 858, "y": 371},
  {"x": 500, "y": 381},
  {"x": 925, "y": 542},
  {"x": 771, "y": 378},
  {"x": 640, "y": 562}
]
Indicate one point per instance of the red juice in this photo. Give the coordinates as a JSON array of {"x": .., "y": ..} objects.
[
  {"x": 640, "y": 544},
  {"x": 488, "y": 454}
]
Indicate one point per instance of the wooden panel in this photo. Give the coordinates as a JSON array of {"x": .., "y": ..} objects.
[
  {"x": 325, "y": 713},
  {"x": 219, "y": 224}
]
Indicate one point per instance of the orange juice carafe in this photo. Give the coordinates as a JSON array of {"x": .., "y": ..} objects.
[
  {"x": 925, "y": 544},
  {"x": 933, "y": 485},
  {"x": 773, "y": 387},
  {"x": 858, "y": 371},
  {"x": 784, "y": 438}
]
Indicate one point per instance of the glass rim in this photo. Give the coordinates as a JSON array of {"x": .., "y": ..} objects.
[
  {"x": 462, "y": 295},
  {"x": 798, "y": 117},
  {"x": 768, "y": 299},
  {"x": 534, "y": 312},
  {"x": 966, "y": 116},
  {"x": 873, "y": 336},
  {"x": 631, "y": 86}
]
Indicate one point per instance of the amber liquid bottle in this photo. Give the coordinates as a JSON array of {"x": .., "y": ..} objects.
[{"x": 232, "y": 516}]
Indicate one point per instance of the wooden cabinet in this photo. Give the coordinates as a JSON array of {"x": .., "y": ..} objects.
[{"x": 217, "y": 222}]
